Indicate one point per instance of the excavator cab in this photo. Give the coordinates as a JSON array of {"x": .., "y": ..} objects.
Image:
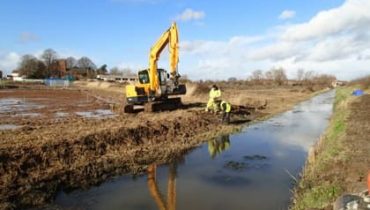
[
  {"x": 163, "y": 76},
  {"x": 143, "y": 76}
]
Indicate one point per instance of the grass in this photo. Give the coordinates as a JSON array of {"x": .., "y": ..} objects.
[
  {"x": 318, "y": 196},
  {"x": 312, "y": 191},
  {"x": 3, "y": 83}
]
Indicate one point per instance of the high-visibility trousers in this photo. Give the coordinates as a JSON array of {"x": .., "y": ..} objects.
[{"x": 212, "y": 105}]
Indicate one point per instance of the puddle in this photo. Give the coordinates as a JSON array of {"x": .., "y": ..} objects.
[
  {"x": 27, "y": 115},
  {"x": 205, "y": 179},
  {"x": 9, "y": 127},
  {"x": 61, "y": 114},
  {"x": 8, "y": 105},
  {"x": 99, "y": 113}
]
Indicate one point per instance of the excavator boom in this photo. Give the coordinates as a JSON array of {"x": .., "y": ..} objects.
[{"x": 170, "y": 38}]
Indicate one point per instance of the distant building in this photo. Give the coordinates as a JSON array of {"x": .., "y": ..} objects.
[
  {"x": 58, "y": 68},
  {"x": 15, "y": 77},
  {"x": 116, "y": 78},
  {"x": 338, "y": 83}
]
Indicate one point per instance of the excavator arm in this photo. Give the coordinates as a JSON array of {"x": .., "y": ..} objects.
[{"x": 170, "y": 38}]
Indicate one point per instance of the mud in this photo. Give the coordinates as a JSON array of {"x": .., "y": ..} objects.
[
  {"x": 235, "y": 165},
  {"x": 34, "y": 106},
  {"x": 254, "y": 157},
  {"x": 248, "y": 163}
]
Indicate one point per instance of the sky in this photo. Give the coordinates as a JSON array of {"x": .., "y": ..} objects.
[{"x": 219, "y": 39}]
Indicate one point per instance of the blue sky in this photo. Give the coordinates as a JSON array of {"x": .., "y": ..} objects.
[{"x": 120, "y": 33}]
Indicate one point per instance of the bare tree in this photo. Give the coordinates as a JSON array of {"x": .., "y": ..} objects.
[
  {"x": 257, "y": 76},
  {"x": 232, "y": 79},
  {"x": 308, "y": 75},
  {"x": 184, "y": 78},
  {"x": 128, "y": 72},
  {"x": 86, "y": 67},
  {"x": 324, "y": 79},
  {"x": 279, "y": 76},
  {"x": 31, "y": 67},
  {"x": 49, "y": 56},
  {"x": 269, "y": 75},
  {"x": 102, "y": 69},
  {"x": 71, "y": 62},
  {"x": 125, "y": 72},
  {"x": 115, "y": 71},
  {"x": 86, "y": 63}
]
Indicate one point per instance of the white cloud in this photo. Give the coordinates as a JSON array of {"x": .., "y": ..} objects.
[
  {"x": 9, "y": 62},
  {"x": 352, "y": 16},
  {"x": 190, "y": 15},
  {"x": 218, "y": 47},
  {"x": 334, "y": 41},
  {"x": 274, "y": 52},
  {"x": 27, "y": 37},
  {"x": 287, "y": 14}
]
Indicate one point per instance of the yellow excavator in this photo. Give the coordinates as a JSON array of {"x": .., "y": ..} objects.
[{"x": 156, "y": 86}]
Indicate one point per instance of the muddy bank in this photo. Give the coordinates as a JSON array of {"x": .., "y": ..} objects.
[
  {"x": 36, "y": 162},
  {"x": 340, "y": 161}
]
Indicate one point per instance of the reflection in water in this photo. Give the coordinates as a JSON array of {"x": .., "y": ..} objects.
[
  {"x": 218, "y": 145},
  {"x": 171, "y": 187}
]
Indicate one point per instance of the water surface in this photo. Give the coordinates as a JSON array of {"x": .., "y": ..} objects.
[{"x": 248, "y": 170}]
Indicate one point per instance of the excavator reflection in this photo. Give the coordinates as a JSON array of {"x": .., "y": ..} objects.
[
  {"x": 218, "y": 145},
  {"x": 170, "y": 202},
  {"x": 215, "y": 147}
]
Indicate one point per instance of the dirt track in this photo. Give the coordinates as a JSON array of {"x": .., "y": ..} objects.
[{"x": 48, "y": 153}]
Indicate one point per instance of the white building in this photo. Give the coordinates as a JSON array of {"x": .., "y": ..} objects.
[
  {"x": 116, "y": 78},
  {"x": 15, "y": 77}
]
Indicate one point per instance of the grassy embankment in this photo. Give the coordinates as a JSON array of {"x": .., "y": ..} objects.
[{"x": 322, "y": 178}]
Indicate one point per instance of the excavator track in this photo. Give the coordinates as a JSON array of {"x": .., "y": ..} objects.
[
  {"x": 156, "y": 106},
  {"x": 165, "y": 105}
]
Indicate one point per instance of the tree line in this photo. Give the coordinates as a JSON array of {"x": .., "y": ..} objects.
[
  {"x": 51, "y": 65},
  {"x": 278, "y": 76},
  {"x": 272, "y": 78}
]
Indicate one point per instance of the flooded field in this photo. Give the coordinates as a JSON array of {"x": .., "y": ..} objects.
[{"x": 249, "y": 170}]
